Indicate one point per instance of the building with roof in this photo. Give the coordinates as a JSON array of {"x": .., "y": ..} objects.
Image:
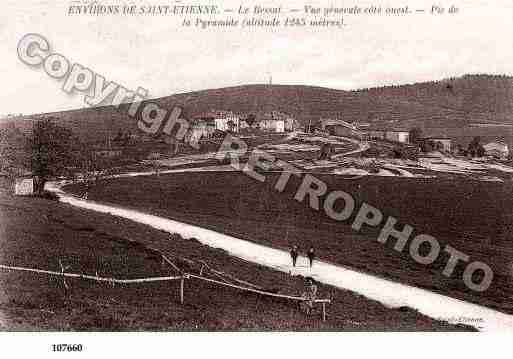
[
  {"x": 291, "y": 124},
  {"x": 272, "y": 125},
  {"x": 342, "y": 128},
  {"x": 401, "y": 136},
  {"x": 443, "y": 143},
  {"x": 273, "y": 121},
  {"x": 496, "y": 149},
  {"x": 24, "y": 186},
  {"x": 221, "y": 120},
  {"x": 108, "y": 151},
  {"x": 394, "y": 135},
  {"x": 201, "y": 129}
]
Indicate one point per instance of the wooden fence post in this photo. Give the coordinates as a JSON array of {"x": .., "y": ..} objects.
[
  {"x": 181, "y": 289},
  {"x": 63, "y": 278},
  {"x": 323, "y": 311}
]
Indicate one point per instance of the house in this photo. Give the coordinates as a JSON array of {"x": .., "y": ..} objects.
[
  {"x": 398, "y": 136},
  {"x": 273, "y": 125},
  {"x": 340, "y": 128},
  {"x": 496, "y": 149},
  {"x": 227, "y": 121},
  {"x": 24, "y": 186},
  {"x": 291, "y": 124},
  {"x": 271, "y": 121},
  {"x": 277, "y": 121},
  {"x": 394, "y": 135},
  {"x": 201, "y": 129},
  {"x": 444, "y": 143},
  {"x": 221, "y": 120},
  {"x": 376, "y": 134},
  {"x": 243, "y": 121},
  {"x": 243, "y": 124},
  {"x": 108, "y": 152}
]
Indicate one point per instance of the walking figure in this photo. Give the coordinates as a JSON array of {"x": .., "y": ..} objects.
[
  {"x": 311, "y": 255},
  {"x": 86, "y": 193},
  {"x": 293, "y": 254},
  {"x": 310, "y": 295}
]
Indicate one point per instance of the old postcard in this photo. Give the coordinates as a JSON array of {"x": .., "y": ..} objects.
[{"x": 175, "y": 167}]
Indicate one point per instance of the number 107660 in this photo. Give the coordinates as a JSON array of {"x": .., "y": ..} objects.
[{"x": 67, "y": 347}]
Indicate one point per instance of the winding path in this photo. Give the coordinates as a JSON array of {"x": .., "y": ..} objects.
[{"x": 390, "y": 294}]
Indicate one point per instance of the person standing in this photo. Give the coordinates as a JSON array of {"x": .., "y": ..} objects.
[
  {"x": 323, "y": 152},
  {"x": 311, "y": 255},
  {"x": 310, "y": 295},
  {"x": 293, "y": 254},
  {"x": 85, "y": 195}
]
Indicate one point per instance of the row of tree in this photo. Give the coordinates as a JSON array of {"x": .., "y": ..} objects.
[{"x": 474, "y": 149}]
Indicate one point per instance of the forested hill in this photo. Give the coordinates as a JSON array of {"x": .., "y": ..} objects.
[{"x": 446, "y": 104}]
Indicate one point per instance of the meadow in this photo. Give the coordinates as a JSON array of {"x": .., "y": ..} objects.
[{"x": 472, "y": 216}]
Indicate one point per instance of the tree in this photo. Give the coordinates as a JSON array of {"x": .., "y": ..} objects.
[
  {"x": 427, "y": 146},
  {"x": 480, "y": 150},
  {"x": 13, "y": 157},
  {"x": 314, "y": 125},
  {"x": 415, "y": 135},
  {"x": 475, "y": 149},
  {"x": 127, "y": 138},
  {"x": 460, "y": 150},
  {"x": 52, "y": 149},
  {"x": 251, "y": 120},
  {"x": 119, "y": 136},
  {"x": 398, "y": 152},
  {"x": 93, "y": 166},
  {"x": 231, "y": 125}
]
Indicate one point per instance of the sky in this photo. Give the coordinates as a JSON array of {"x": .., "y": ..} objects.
[{"x": 159, "y": 54}]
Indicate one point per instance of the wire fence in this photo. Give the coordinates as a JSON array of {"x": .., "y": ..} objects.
[{"x": 222, "y": 281}]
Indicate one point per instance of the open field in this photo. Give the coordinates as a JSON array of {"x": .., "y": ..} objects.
[
  {"x": 38, "y": 233},
  {"x": 349, "y": 157},
  {"x": 472, "y": 216}
]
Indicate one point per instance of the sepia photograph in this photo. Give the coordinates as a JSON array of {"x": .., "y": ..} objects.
[{"x": 278, "y": 172}]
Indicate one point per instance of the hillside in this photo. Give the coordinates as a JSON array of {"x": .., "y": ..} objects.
[
  {"x": 39, "y": 233},
  {"x": 444, "y": 106},
  {"x": 479, "y": 98}
]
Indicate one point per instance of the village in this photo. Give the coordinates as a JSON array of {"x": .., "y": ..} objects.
[
  {"x": 213, "y": 124},
  {"x": 210, "y": 124},
  {"x": 330, "y": 145},
  {"x": 372, "y": 160}
]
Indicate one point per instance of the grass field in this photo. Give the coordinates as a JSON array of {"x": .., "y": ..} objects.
[
  {"x": 38, "y": 233},
  {"x": 472, "y": 216}
]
